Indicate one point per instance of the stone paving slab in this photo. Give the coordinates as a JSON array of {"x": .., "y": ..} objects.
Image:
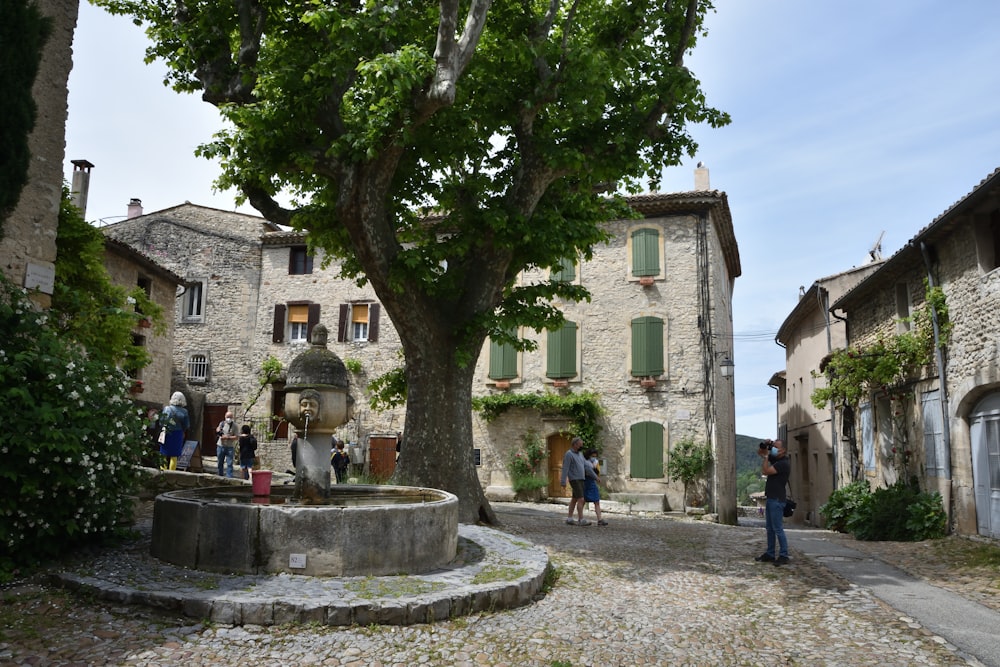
[{"x": 492, "y": 571}]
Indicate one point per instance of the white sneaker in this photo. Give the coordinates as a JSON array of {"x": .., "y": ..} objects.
[
  {"x": 570, "y": 522},
  {"x": 583, "y": 522}
]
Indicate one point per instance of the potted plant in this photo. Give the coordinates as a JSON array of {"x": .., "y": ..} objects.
[
  {"x": 689, "y": 463},
  {"x": 524, "y": 465}
]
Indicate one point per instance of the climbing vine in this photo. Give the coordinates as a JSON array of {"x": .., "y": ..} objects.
[
  {"x": 583, "y": 409},
  {"x": 890, "y": 362}
]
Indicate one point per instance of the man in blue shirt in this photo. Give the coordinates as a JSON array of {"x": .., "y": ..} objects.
[{"x": 573, "y": 469}]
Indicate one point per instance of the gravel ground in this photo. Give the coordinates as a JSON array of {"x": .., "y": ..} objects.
[{"x": 642, "y": 591}]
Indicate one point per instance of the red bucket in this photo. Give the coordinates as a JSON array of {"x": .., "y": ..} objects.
[{"x": 261, "y": 480}]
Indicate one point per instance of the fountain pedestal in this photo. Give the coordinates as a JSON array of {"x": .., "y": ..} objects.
[{"x": 317, "y": 401}]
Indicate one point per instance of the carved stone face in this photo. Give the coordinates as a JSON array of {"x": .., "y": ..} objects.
[{"x": 309, "y": 406}]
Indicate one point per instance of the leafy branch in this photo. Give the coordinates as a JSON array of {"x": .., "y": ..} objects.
[{"x": 583, "y": 409}]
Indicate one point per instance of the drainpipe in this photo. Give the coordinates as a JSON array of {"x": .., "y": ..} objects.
[
  {"x": 823, "y": 297},
  {"x": 939, "y": 362}
]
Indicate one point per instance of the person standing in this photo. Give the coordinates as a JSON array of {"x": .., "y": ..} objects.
[
  {"x": 340, "y": 462},
  {"x": 175, "y": 422},
  {"x": 776, "y": 467},
  {"x": 225, "y": 446},
  {"x": 248, "y": 450},
  {"x": 591, "y": 484},
  {"x": 574, "y": 470}
]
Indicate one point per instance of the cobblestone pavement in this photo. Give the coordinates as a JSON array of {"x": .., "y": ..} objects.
[{"x": 641, "y": 591}]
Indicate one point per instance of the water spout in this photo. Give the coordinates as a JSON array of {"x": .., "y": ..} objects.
[{"x": 305, "y": 432}]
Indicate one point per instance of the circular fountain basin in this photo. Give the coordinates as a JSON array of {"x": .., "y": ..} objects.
[{"x": 360, "y": 531}]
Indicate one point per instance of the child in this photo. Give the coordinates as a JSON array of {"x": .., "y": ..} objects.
[{"x": 248, "y": 450}]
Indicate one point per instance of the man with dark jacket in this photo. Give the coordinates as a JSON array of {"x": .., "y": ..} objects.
[{"x": 776, "y": 468}]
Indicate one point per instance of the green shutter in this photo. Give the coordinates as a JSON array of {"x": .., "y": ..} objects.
[
  {"x": 645, "y": 252},
  {"x": 503, "y": 361},
  {"x": 565, "y": 271},
  {"x": 647, "y": 451},
  {"x": 647, "y": 346},
  {"x": 561, "y": 352}
]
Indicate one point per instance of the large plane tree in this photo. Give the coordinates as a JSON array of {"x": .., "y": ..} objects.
[{"x": 438, "y": 150}]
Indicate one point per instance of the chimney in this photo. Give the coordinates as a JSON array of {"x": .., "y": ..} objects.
[
  {"x": 134, "y": 208},
  {"x": 81, "y": 185},
  {"x": 701, "y": 177}
]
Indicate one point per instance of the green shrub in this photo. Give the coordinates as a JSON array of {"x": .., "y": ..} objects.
[
  {"x": 524, "y": 462},
  {"x": 70, "y": 444},
  {"x": 842, "y": 504},
  {"x": 899, "y": 513}
]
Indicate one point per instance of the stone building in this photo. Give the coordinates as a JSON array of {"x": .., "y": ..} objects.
[
  {"x": 810, "y": 333},
  {"x": 218, "y": 256},
  {"x": 129, "y": 268},
  {"x": 653, "y": 342},
  {"x": 947, "y": 429}
]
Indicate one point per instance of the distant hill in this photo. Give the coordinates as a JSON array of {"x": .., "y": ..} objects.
[{"x": 746, "y": 453}]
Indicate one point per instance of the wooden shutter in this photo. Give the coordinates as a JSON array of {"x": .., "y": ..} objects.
[
  {"x": 503, "y": 361},
  {"x": 343, "y": 322},
  {"x": 313, "y": 320},
  {"x": 278, "y": 330},
  {"x": 565, "y": 271},
  {"x": 645, "y": 252},
  {"x": 373, "y": 315},
  {"x": 561, "y": 352},
  {"x": 647, "y": 346},
  {"x": 646, "y": 460}
]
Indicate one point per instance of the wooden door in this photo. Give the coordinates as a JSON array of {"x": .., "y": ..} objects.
[
  {"x": 382, "y": 456},
  {"x": 558, "y": 446}
]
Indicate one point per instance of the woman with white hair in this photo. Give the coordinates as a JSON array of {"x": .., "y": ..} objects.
[{"x": 175, "y": 421}]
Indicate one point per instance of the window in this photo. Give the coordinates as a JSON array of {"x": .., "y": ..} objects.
[
  {"x": 867, "y": 436},
  {"x": 298, "y": 323},
  {"x": 564, "y": 271},
  {"x": 988, "y": 240},
  {"x": 937, "y": 462},
  {"x": 646, "y": 459},
  {"x": 194, "y": 303},
  {"x": 294, "y": 321},
  {"x": 902, "y": 307},
  {"x": 197, "y": 368},
  {"x": 645, "y": 252},
  {"x": 503, "y": 360},
  {"x": 300, "y": 262},
  {"x": 358, "y": 322},
  {"x": 561, "y": 352},
  {"x": 647, "y": 347}
]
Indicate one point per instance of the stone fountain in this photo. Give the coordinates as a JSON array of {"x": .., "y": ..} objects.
[{"x": 312, "y": 528}]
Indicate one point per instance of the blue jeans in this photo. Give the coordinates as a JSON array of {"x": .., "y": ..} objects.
[
  {"x": 774, "y": 518},
  {"x": 225, "y": 455}
]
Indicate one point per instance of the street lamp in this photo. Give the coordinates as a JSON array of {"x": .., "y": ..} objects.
[{"x": 727, "y": 366}]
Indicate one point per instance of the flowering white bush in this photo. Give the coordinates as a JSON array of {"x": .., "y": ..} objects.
[{"x": 70, "y": 441}]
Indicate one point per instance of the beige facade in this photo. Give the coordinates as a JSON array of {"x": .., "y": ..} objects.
[
  {"x": 131, "y": 269},
  {"x": 950, "y": 424},
  {"x": 820, "y": 463}
]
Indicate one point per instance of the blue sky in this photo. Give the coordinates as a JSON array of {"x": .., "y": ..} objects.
[{"x": 850, "y": 118}]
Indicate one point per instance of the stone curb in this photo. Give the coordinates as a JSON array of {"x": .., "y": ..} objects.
[{"x": 493, "y": 570}]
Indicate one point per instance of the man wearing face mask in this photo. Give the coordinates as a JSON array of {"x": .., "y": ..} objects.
[
  {"x": 225, "y": 447},
  {"x": 776, "y": 468}
]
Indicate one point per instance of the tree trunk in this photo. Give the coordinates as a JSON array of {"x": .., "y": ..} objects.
[{"x": 437, "y": 443}]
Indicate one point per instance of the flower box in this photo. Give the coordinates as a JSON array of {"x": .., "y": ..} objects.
[
  {"x": 560, "y": 384},
  {"x": 502, "y": 384},
  {"x": 136, "y": 387},
  {"x": 145, "y": 323},
  {"x": 646, "y": 281},
  {"x": 647, "y": 382}
]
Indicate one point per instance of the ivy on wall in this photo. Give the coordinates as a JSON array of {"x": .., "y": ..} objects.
[
  {"x": 23, "y": 32},
  {"x": 888, "y": 363},
  {"x": 583, "y": 410}
]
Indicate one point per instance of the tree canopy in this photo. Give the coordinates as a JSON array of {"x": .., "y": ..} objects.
[{"x": 438, "y": 151}]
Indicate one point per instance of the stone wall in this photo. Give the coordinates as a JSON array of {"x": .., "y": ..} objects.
[{"x": 30, "y": 231}]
